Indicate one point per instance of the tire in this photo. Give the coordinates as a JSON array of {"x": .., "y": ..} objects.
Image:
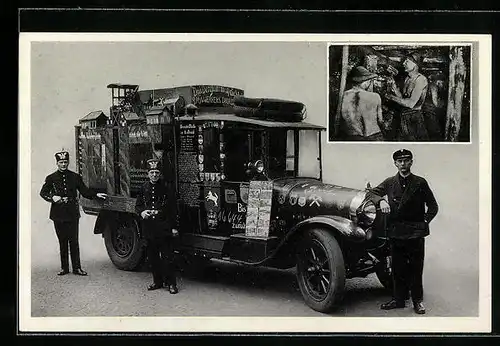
[
  {"x": 384, "y": 273},
  {"x": 123, "y": 243},
  {"x": 320, "y": 270}
]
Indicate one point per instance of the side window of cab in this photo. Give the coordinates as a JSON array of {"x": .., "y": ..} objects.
[
  {"x": 281, "y": 153},
  {"x": 236, "y": 149},
  {"x": 211, "y": 150}
]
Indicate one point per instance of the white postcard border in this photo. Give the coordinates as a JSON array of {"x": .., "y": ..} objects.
[{"x": 326, "y": 324}]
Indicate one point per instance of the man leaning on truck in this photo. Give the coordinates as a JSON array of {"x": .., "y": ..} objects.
[
  {"x": 411, "y": 207},
  {"x": 60, "y": 189}
]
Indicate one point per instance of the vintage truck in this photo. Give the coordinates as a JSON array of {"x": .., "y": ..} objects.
[{"x": 209, "y": 138}]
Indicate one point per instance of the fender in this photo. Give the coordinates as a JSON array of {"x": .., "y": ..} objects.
[
  {"x": 100, "y": 222},
  {"x": 337, "y": 224},
  {"x": 345, "y": 227},
  {"x": 105, "y": 216}
]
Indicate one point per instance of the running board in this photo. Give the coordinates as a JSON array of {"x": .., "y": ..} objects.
[
  {"x": 251, "y": 249},
  {"x": 209, "y": 243}
]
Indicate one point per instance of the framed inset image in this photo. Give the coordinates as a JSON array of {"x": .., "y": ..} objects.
[{"x": 400, "y": 92}]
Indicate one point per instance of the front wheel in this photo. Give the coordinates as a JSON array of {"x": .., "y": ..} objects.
[
  {"x": 320, "y": 270},
  {"x": 123, "y": 243}
]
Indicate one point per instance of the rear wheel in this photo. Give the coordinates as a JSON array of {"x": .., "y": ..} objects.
[
  {"x": 123, "y": 243},
  {"x": 320, "y": 270}
]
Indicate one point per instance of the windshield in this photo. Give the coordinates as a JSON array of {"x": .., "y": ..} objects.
[
  {"x": 309, "y": 156},
  {"x": 284, "y": 152}
]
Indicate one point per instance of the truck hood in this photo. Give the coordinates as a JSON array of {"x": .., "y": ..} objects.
[{"x": 310, "y": 196}]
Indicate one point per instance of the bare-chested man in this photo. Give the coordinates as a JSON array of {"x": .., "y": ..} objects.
[
  {"x": 411, "y": 99},
  {"x": 361, "y": 109}
]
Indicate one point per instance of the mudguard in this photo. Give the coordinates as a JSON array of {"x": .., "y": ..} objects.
[
  {"x": 105, "y": 216},
  {"x": 345, "y": 227},
  {"x": 100, "y": 223}
]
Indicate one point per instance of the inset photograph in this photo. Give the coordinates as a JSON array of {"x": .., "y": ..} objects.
[{"x": 399, "y": 93}]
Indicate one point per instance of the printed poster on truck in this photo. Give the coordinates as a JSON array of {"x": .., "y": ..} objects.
[{"x": 259, "y": 208}]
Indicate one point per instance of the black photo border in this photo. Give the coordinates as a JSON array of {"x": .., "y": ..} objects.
[{"x": 266, "y": 21}]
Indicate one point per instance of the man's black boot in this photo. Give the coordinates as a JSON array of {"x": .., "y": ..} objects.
[
  {"x": 393, "y": 304},
  {"x": 419, "y": 308}
]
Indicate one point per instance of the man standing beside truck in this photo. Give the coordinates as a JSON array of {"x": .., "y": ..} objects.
[
  {"x": 61, "y": 189},
  {"x": 408, "y": 196},
  {"x": 157, "y": 227}
]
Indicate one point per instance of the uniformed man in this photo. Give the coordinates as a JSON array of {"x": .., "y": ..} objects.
[
  {"x": 60, "y": 189},
  {"x": 408, "y": 196},
  {"x": 157, "y": 226}
]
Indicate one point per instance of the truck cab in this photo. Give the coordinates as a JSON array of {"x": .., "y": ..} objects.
[{"x": 216, "y": 177}]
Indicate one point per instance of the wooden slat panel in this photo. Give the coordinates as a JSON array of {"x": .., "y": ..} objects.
[
  {"x": 124, "y": 162},
  {"x": 154, "y": 133},
  {"x": 77, "y": 148},
  {"x": 115, "y": 203},
  {"x": 94, "y": 152},
  {"x": 83, "y": 153},
  {"x": 89, "y": 157},
  {"x": 108, "y": 142}
]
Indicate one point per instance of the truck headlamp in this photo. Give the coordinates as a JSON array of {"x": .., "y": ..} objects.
[
  {"x": 367, "y": 213},
  {"x": 369, "y": 234}
]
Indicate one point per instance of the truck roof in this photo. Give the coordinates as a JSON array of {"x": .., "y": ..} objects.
[
  {"x": 253, "y": 121},
  {"x": 93, "y": 115},
  {"x": 124, "y": 86}
]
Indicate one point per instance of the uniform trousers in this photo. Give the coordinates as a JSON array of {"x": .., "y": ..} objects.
[
  {"x": 412, "y": 126},
  {"x": 161, "y": 256},
  {"x": 67, "y": 234},
  {"x": 407, "y": 268}
]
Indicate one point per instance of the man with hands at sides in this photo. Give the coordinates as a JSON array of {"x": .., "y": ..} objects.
[{"x": 157, "y": 227}]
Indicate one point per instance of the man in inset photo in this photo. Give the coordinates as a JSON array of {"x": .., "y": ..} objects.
[
  {"x": 411, "y": 99},
  {"x": 424, "y": 92},
  {"x": 361, "y": 109}
]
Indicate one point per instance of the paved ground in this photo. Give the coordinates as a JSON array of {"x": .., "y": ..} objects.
[{"x": 451, "y": 285}]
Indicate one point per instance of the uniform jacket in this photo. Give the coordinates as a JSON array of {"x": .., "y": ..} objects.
[
  {"x": 409, "y": 217},
  {"x": 65, "y": 184},
  {"x": 154, "y": 197}
]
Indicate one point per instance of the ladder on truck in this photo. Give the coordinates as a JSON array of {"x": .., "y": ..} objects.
[{"x": 123, "y": 99}]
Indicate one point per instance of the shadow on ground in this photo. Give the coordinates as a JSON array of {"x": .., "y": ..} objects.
[{"x": 358, "y": 291}]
